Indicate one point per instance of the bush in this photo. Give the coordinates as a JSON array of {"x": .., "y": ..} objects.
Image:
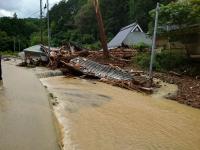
[
  {"x": 94, "y": 46},
  {"x": 141, "y": 46},
  {"x": 9, "y": 53},
  {"x": 165, "y": 61},
  {"x": 87, "y": 38},
  {"x": 171, "y": 61}
]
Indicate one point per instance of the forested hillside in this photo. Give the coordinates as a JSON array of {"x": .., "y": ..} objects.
[
  {"x": 18, "y": 31},
  {"x": 75, "y": 20}
]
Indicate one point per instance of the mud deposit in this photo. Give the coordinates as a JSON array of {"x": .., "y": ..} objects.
[{"x": 97, "y": 116}]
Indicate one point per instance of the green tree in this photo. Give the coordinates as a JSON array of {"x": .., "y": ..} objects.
[
  {"x": 20, "y": 29},
  {"x": 15, "y": 15},
  {"x": 182, "y": 13}
]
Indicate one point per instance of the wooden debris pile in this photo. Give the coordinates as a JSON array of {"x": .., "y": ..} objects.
[
  {"x": 119, "y": 57},
  {"x": 79, "y": 61},
  {"x": 64, "y": 54}
]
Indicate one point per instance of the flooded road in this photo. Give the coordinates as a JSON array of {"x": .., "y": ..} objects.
[
  {"x": 26, "y": 121},
  {"x": 97, "y": 116}
]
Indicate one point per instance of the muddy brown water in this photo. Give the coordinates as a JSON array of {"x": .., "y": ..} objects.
[
  {"x": 97, "y": 116},
  {"x": 26, "y": 121}
]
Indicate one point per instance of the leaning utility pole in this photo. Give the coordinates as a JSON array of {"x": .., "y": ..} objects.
[
  {"x": 101, "y": 28},
  {"x": 41, "y": 29},
  {"x": 48, "y": 24},
  {"x": 153, "y": 44}
]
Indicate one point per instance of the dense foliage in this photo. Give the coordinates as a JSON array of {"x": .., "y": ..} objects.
[
  {"x": 181, "y": 13},
  {"x": 18, "y": 30},
  {"x": 168, "y": 61},
  {"x": 74, "y": 20},
  {"x": 179, "y": 21}
]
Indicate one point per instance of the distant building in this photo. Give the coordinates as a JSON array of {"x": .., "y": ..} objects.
[
  {"x": 34, "y": 52},
  {"x": 130, "y": 35}
]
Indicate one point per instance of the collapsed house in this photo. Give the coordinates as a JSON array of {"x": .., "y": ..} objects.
[
  {"x": 33, "y": 53},
  {"x": 129, "y": 36},
  {"x": 73, "y": 59},
  {"x": 108, "y": 74}
]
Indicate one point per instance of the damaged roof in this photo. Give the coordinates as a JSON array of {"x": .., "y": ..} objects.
[
  {"x": 36, "y": 49},
  {"x": 90, "y": 67},
  {"x": 123, "y": 36}
]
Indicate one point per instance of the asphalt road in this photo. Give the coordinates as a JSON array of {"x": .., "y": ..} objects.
[{"x": 26, "y": 121}]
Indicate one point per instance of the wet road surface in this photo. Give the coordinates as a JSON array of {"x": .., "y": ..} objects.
[
  {"x": 97, "y": 116},
  {"x": 26, "y": 121}
]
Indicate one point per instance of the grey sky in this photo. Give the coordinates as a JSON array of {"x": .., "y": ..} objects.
[{"x": 23, "y": 8}]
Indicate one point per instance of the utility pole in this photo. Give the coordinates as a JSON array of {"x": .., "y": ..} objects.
[
  {"x": 0, "y": 69},
  {"x": 41, "y": 23},
  {"x": 101, "y": 28},
  {"x": 154, "y": 44},
  {"x": 48, "y": 24},
  {"x": 19, "y": 45},
  {"x": 14, "y": 44}
]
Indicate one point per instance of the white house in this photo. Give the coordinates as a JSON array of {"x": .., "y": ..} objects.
[{"x": 130, "y": 35}]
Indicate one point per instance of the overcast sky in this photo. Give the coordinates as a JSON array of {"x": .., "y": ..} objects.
[{"x": 23, "y": 8}]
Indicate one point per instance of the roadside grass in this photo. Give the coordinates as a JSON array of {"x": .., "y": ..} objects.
[{"x": 9, "y": 53}]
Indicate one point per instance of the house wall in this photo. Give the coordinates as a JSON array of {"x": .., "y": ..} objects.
[
  {"x": 164, "y": 43},
  {"x": 191, "y": 37},
  {"x": 135, "y": 38},
  {"x": 192, "y": 48}
]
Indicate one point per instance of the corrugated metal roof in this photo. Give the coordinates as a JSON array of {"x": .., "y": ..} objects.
[
  {"x": 129, "y": 26},
  {"x": 102, "y": 71},
  {"x": 120, "y": 37},
  {"x": 34, "y": 49}
]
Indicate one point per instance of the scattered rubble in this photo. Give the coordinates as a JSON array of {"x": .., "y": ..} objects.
[
  {"x": 65, "y": 53},
  {"x": 80, "y": 61},
  {"x": 73, "y": 59},
  {"x": 119, "y": 57},
  {"x": 188, "y": 88}
]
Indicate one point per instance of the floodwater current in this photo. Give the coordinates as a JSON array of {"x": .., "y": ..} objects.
[{"x": 97, "y": 116}]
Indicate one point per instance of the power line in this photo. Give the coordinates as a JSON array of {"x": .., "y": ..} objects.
[
  {"x": 38, "y": 11},
  {"x": 41, "y": 29},
  {"x": 28, "y": 16}
]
